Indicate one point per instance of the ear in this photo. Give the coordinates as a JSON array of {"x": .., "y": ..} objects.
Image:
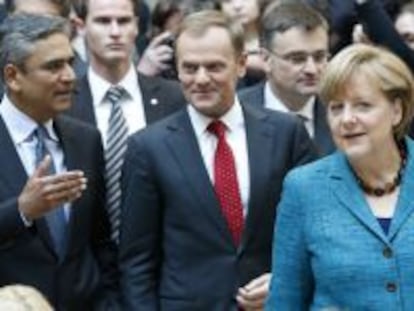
[
  {"x": 241, "y": 64},
  {"x": 398, "y": 111},
  {"x": 267, "y": 60},
  {"x": 11, "y": 77}
]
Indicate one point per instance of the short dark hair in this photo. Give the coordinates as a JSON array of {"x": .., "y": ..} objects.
[
  {"x": 281, "y": 17},
  {"x": 63, "y": 5},
  {"x": 198, "y": 23},
  {"x": 81, "y": 7},
  {"x": 20, "y": 32}
]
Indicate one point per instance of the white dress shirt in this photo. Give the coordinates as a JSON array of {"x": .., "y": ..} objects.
[
  {"x": 274, "y": 103},
  {"x": 21, "y": 127},
  {"x": 132, "y": 107},
  {"x": 235, "y": 137}
]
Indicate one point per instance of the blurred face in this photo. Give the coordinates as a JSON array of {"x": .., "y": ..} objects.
[
  {"x": 110, "y": 31},
  {"x": 362, "y": 118},
  {"x": 245, "y": 11},
  {"x": 208, "y": 70},
  {"x": 37, "y": 7},
  {"x": 44, "y": 87},
  {"x": 296, "y": 61},
  {"x": 404, "y": 24}
]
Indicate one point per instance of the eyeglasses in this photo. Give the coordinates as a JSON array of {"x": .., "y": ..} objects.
[{"x": 299, "y": 59}]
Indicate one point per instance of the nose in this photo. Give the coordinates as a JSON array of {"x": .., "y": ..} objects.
[
  {"x": 68, "y": 73},
  {"x": 348, "y": 115},
  {"x": 202, "y": 76},
  {"x": 310, "y": 65},
  {"x": 115, "y": 30}
]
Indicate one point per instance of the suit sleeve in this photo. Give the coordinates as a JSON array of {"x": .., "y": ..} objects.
[
  {"x": 140, "y": 244},
  {"x": 105, "y": 251},
  {"x": 304, "y": 150},
  {"x": 291, "y": 286},
  {"x": 11, "y": 223}
]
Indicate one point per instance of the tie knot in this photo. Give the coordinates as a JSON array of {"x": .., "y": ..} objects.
[
  {"x": 115, "y": 93},
  {"x": 41, "y": 133},
  {"x": 217, "y": 128}
]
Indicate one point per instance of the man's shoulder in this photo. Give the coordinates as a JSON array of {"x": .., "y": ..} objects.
[
  {"x": 159, "y": 82},
  {"x": 273, "y": 117},
  {"x": 75, "y": 125},
  {"x": 252, "y": 95}
]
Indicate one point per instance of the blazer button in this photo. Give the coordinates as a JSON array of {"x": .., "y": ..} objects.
[
  {"x": 387, "y": 252},
  {"x": 391, "y": 287}
]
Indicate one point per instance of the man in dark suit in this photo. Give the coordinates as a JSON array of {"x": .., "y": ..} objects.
[
  {"x": 200, "y": 187},
  {"x": 110, "y": 32},
  {"x": 295, "y": 37},
  {"x": 54, "y": 234},
  {"x": 110, "y": 29}
]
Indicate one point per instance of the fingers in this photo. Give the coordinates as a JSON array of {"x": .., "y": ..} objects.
[
  {"x": 160, "y": 39},
  {"x": 65, "y": 187},
  {"x": 253, "y": 295}
]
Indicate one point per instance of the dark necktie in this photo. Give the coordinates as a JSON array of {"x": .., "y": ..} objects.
[
  {"x": 55, "y": 218},
  {"x": 225, "y": 182},
  {"x": 116, "y": 145}
]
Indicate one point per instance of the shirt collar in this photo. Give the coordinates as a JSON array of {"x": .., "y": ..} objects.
[
  {"x": 19, "y": 124},
  {"x": 233, "y": 118},
  {"x": 99, "y": 86},
  {"x": 306, "y": 111}
]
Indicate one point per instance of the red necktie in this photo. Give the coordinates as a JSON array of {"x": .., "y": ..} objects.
[{"x": 226, "y": 185}]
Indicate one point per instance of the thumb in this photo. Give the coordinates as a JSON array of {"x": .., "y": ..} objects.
[
  {"x": 43, "y": 168},
  {"x": 259, "y": 281}
]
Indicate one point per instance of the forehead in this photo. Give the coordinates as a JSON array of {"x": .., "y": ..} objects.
[
  {"x": 56, "y": 46},
  {"x": 214, "y": 41},
  {"x": 299, "y": 38},
  {"x": 37, "y": 7},
  {"x": 110, "y": 7}
]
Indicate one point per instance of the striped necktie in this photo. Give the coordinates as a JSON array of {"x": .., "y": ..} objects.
[
  {"x": 116, "y": 145},
  {"x": 55, "y": 219}
]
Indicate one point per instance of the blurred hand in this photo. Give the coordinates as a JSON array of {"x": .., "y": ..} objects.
[
  {"x": 157, "y": 57},
  {"x": 44, "y": 192},
  {"x": 252, "y": 296}
]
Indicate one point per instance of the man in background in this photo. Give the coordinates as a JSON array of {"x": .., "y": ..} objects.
[
  {"x": 112, "y": 96},
  {"x": 295, "y": 38}
]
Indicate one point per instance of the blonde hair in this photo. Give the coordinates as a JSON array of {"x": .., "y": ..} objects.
[
  {"x": 388, "y": 72},
  {"x": 22, "y": 298}
]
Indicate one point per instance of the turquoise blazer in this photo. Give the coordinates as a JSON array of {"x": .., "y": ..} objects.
[{"x": 330, "y": 252}]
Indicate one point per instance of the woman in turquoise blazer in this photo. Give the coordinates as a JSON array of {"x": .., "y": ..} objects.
[{"x": 344, "y": 236}]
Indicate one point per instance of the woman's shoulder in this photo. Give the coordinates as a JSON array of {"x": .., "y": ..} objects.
[{"x": 315, "y": 170}]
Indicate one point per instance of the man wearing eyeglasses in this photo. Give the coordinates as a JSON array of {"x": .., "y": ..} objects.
[{"x": 295, "y": 39}]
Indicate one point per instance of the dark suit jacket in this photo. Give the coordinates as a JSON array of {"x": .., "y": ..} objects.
[
  {"x": 323, "y": 140},
  {"x": 166, "y": 95},
  {"x": 26, "y": 253},
  {"x": 176, "y": 252}
]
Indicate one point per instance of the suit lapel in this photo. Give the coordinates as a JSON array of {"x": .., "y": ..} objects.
[
  {"x": 345, "y": 187},
  {"x": 405, "y": 203},
  {"x": 82, "y": 107},
  {"x": 71, "y": 159},
  {"x": 323, "y": 137},
  {"x": 185, "y": 149},
  {"x": 259, "y": 145},
  {"x": 150, "y": 98},
  {"x": 13, "y": 172}
]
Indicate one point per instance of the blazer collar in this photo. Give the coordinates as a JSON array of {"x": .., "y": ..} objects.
[
  {"x": 345, "y": 187},
  {"x": 184, "y": 147}
]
